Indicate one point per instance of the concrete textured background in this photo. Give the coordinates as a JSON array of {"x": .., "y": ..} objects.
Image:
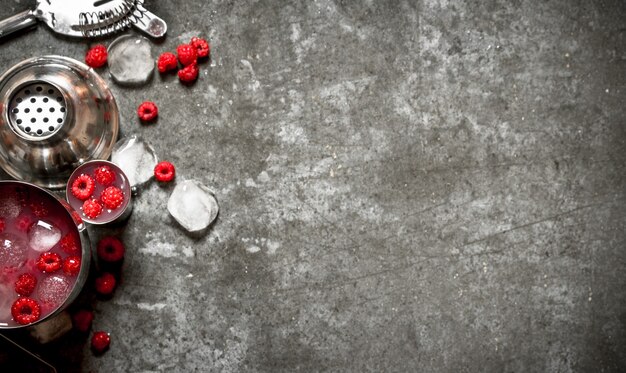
[{"x": 430, "y": 185}]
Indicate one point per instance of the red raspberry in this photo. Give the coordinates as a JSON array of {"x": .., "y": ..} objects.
[
  {"x": 166, "y": 62},
  {"x": 104, "y": 175},
  {"x": 110, "y": 249},
  {"x": 105, "y": 284},
  {"x": 100, "y": 341},
  {"x": 164, "y": 171},
  {"x": 189, "y": 73},
  {"x": 96, "y": 56},
  {"x": 24, "y": 223},
  {"x": 49, "y": 262},
  {"x": 112, "y": 197},
  {"x": 187, "y": 54},
  {"x": 25, "y": 284},
  {"x": 39, "y": 209},
  {"x": 202, "y": 47},
  {"x": 71, "y": 265},
  {"x": 82, "y": 320},
  {"x": 69, "y": 245},
  {"x": 1, "y": 225},
  {"x": 92, "y": 208},
  {"x": 147, "y": 111},
  {"x": 83, "y": 187},
  {"x": 25, "y": 311}
]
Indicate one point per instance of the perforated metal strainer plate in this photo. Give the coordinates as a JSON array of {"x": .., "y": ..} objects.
[{"x": 37, "y": 110}]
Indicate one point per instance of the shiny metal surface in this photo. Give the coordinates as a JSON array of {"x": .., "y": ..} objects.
[
  {"x": 38, "y": 110},
  {"x": 81, "y": 18},
  {"x": 78, "y": 120},
  {"x": 81, "y": 228},
  {"x": 123, "y": 211}
]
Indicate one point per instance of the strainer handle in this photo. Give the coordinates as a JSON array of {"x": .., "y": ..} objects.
[
  {"x": 17, "y": 22},
  {"x": 151, "y": 24}
]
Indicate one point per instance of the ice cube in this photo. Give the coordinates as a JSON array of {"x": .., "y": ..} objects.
[
  {"x": 54, "y": 289},
  {"x": 193, "y": 205},
  {"x": 13, "y": 250},
  {"x": 9, "y": 207},
  {"x": 136, "y": 158},
  {"x": 43, "y": 236},
  {"x": 130, "y": 60}
]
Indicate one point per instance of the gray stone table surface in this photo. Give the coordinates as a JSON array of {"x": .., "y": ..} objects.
[{"x": 428, "y": 185}]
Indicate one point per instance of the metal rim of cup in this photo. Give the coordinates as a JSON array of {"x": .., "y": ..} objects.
[{"x": 127, "y": 191}]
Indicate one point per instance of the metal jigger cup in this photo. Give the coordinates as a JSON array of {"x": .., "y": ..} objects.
[{"x": 122, "y": 213}]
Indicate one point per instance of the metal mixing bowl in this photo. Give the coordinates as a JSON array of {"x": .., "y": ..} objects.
[
  {"x": 81, "y": 229},
  {"x": 56, "y": 113}
]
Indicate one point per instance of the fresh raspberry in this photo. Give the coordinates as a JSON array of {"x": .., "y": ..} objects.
[
  {"x": 24, "y": 223},
  {"x": 147, "y": 111},
  {"x": 39, "y": 209},
  {"x": 1, "y": 225},
  {"x": 25, "y": 284},
  {"x": 202, "y": 47},
  {"x": 187, "y": 54},
  {"x": 49, "y": 262},
  {"x": 25, "y": 311},
  {"x": 105, "y": 284},
  {"x": 189, "y": 74},
  {"x": 166, "y": 62},
  {"x": 112, "y": 197},
  {"x": 104, "y": 175},
  {"x": 164, "y": 171},
  {"x": 71, "y": 265},
  {"x": 82, "y": 320},
  {"x": 92, "y": 208},
  {"x": 69, "y": 244},
  {"x": 96, "y": 56},
  {"x": 100, "y": 341},
  {"x": 110, "y": 249},
  {"x": 83, "y": 187}
]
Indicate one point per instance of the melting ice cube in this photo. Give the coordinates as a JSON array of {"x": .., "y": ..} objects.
[
  {"x": 43, "y": 236},
  {"x": 54, "y": 289},
  {"x": 193, "y": 205},
  {"x": 13, "y": 250},
  {"x": 130, "y": 60},
  {"x": 136, "y": 158}
]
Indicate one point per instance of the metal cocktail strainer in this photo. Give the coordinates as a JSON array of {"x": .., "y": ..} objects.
[
  {"x": 56, "y": 114},
  {"x": 87, "y": 18},
  {"x": 37, "y": 110}
]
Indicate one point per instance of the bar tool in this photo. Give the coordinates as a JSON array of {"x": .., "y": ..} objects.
[
  {"x": 56, "y": 113},
  {"x": 33, "y": 192},
  {"x": 121, "y": 181},
  {"x": 87, "y": 18}
]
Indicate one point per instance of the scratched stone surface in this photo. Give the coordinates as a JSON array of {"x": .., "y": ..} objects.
[{"x": 429, "y": 185}]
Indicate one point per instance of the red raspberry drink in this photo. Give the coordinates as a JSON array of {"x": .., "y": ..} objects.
[
  {"x": 37, "y": 236},
  {"x": 108, "y": 200}
]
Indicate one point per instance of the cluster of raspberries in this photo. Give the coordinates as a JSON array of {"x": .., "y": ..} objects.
[
  {"x": 188, "y": 56},
  {"x": 84, "y": 186},
  {"x": 110, "y": 252}
]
